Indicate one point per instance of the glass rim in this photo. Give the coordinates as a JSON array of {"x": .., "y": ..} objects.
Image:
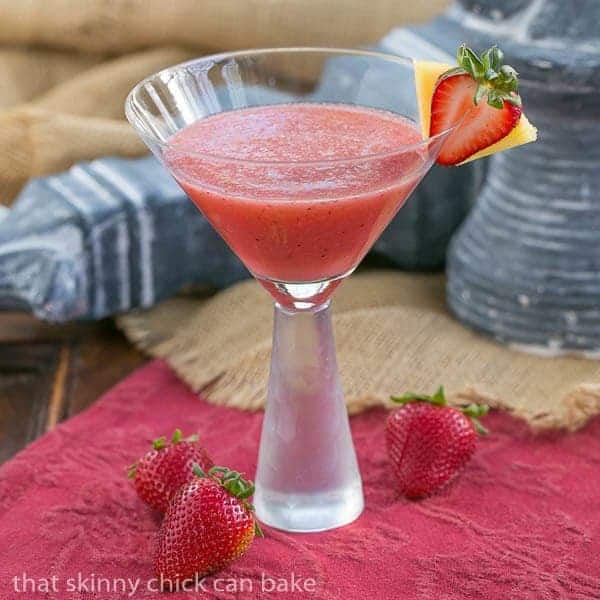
[{"x": 131, "y": 108}]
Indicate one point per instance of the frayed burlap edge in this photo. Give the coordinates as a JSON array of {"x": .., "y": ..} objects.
[{"x": 393, "y": 334}]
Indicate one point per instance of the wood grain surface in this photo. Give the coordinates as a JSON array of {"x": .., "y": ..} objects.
[{"x": 49, "y": 373}]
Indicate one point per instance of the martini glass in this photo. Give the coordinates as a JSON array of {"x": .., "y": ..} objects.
[{"x": 299, "y": 157}]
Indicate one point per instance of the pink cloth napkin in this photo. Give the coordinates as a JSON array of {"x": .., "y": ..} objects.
[{"x": 522, "y": 521}]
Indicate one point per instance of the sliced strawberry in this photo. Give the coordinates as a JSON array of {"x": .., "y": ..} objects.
[{"x": 479, "y": 98}]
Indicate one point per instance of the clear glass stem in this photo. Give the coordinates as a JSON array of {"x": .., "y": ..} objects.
[{"x": 307, "y": 478}]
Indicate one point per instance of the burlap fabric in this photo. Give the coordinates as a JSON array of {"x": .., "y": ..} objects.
[
  {"x": 80, "y": 118},
  {"x": 127, "y": 25},
  {"x": 393, "y": 334},
  {"x": 64, "y": 104}
]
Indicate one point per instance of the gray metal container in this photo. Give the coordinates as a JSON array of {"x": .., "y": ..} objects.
[{"x": 525, "y": 266}]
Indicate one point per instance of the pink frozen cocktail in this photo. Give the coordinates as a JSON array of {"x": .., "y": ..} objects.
[{"x": 302, "y": 190}]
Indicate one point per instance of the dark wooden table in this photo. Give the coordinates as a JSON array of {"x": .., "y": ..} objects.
[{"x": 51, "y": 372}]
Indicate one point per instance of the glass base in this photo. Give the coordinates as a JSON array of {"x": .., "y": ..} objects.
[
  {"x": 307, "y": 477},
  {"x": 309, "y": 513}
]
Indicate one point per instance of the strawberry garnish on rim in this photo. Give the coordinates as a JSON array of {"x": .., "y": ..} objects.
[{"x": 480, "y": 99}]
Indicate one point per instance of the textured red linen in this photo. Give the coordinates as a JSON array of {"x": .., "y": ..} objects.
[{"x": 521, "y": 522}]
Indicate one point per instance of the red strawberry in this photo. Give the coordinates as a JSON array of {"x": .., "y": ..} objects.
[
  {"x": 165, "y": 468},
  {"x": 428, "y": 442},
  {"x": 458, "y": 100},
  {"x": 208, "y": 524}
]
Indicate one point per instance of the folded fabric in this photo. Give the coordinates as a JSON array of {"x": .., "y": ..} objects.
[
  {"x": 126, "y": 25},
  {"x": 80, "y": 118},
  {"x": 44, "y": 68},
  {"x": 105, "y": 237},
  {"x": 519, "y": 521}
]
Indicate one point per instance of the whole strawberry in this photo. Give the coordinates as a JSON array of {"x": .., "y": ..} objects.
[
  {"x": 208, "y": 524},
  {"x": 165, "y": 468},
  {"x": 428, "y": 442}
]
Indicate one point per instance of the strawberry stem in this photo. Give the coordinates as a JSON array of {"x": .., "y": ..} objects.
[
  {"x": 495, "y": 81},
  {"x": 475, "y": 410},
  {"x": 159, "y": 443},
  {"x": 198, "y": 470},
  {"x": 235, "y": 484},
  {"x": 438, "y": 399},
  {"x": 258, "y": 532},
  {"x": 472, "y": 410},
  {"x": 481, "y": 430}
]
